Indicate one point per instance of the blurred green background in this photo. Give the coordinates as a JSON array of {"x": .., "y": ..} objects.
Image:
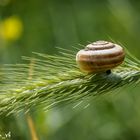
[{"x": 41, "y": 26}]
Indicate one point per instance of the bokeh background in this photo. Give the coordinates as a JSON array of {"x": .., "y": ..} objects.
[{"x": 28, "y": 26}]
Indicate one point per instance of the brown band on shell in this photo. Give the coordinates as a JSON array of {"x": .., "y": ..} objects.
[
  {"x": 99, "y": 45},
  {"x": 92, "y": 55},
  {"x": 96, "y": 62}
]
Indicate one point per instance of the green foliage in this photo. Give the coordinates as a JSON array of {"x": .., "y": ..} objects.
[{"x": 50, "y": 80}]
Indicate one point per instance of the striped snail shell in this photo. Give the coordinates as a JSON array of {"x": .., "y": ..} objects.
[{"x": 100, "y": 56}]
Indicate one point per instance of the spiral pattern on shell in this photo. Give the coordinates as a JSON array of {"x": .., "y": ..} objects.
[{"x": 100, "y": 56}]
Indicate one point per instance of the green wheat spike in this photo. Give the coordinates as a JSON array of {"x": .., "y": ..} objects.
[{"x": 48, "y": 80}]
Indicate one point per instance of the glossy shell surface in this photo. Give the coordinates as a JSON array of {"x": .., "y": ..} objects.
[{"x": 100, "y": 56}]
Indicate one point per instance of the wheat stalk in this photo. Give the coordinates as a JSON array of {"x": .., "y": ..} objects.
[{"x": 49, "y": 80}]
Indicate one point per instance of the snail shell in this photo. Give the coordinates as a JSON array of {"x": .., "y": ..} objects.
[{"x": 100, "y": 56}]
